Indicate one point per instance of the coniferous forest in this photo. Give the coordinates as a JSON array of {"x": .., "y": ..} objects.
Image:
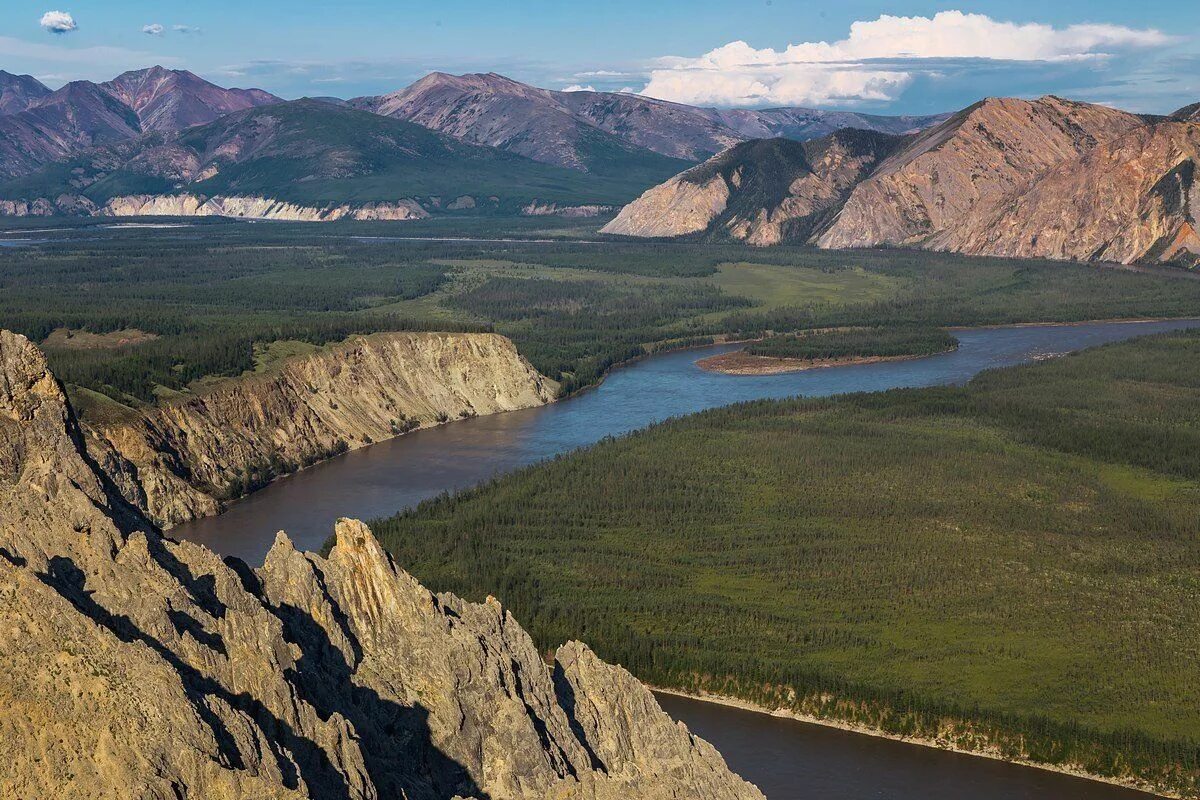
[{"x": 1014, "y": 562}]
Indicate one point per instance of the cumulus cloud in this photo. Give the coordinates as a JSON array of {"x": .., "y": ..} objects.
[
  {"x": 58, "y": 22},
  {"x": 878, "y": 59},
  {"x": 575, "y": 87},
  {"x": 153, "y": 29}
]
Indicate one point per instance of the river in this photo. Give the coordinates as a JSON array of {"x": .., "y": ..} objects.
[
  {"x": 384, "y": 478},
  {"x": 786, "y": 758}
]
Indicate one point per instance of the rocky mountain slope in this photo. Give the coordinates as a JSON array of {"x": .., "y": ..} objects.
[
  {"x": 1189, "y": 113},
  {"x": 180, "y": 460},
  {"x": 139, "y": 666},
  {"x": 762, "y": 192},
  {"x": 1135, "y": 198},
  {"x": 599, "y": 130},
  {"x": 1006, "y": 177},
  {"x": 499, "y": 112},
  {"x": 77, "y": 116},
  {"x": 976, "y": 158},
  {"x": 83, "y": 114},
  {"x": 306, "y": 159},
  {"x": 18, "y": 92}
]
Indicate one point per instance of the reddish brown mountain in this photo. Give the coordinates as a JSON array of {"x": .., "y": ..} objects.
[
  {"x": 173, "y": 99},
  {"x": 77, "y": 116},
  {"x": 18, "y": 92},
  {"x": 83, "y": 114}
]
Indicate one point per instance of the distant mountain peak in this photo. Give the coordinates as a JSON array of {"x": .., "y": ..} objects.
[{"x": 173, "y": 99}]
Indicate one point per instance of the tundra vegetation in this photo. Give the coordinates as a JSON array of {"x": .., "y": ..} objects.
[{"x": 1011, "y": 564}]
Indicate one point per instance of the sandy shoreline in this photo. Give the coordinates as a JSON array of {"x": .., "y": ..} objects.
[
  {"x": 784, "y": 713},
  {"x": 739, "y": 362}
]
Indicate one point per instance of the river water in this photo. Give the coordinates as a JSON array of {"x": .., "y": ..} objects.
[
  {"x": 792, "y": 760},
  {"x": 786, "y": 758},
  {"x": 389, "y": 476}
]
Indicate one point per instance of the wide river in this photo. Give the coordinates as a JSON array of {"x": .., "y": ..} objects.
[{"x": 787, "y": 759}]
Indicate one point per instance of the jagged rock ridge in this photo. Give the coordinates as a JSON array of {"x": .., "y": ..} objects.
[
  {"x": 139, "y": 666},
  {"x": 1046, "y": 178}
]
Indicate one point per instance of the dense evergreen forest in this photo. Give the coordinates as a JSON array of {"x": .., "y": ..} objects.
[
  {"x": 207, "y": 295},
  {"x": 856, "y": 343},
  {"x": 1015, "y": 562}
]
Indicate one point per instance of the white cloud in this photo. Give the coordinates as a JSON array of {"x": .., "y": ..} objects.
[
  {"x": 154, "y": 29},
  {"x": 877, "y": 60},
  {"x": 58, "y": 22},
  {"x": 185, "y": 29},
  {"x": 575, "y": 87}
]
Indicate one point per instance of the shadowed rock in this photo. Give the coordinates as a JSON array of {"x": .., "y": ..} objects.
[{"x": 139, "y": 666}]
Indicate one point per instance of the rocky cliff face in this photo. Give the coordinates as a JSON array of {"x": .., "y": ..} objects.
[
  {"x": 136, "y": 666},
  {"x": 1132, "y": 199},
  {"x": 190, "y": 205},
  {"x": 178, "y": 461},
  {"x": 1043, "y": 179}
]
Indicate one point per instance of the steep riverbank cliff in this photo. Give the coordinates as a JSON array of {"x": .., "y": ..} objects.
[
  {"x": 180, "y": 460},
  {"x": 136, "y": 666}
]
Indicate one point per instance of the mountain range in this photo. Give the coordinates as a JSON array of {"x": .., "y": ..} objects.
[
  {"x": 501, "y": 144},
  {"x": 1048, "y": 178}
]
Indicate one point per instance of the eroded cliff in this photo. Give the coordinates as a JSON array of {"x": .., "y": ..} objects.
[
  {"x": 136, "y": 666},
  {"x": 180, "y": 460}
]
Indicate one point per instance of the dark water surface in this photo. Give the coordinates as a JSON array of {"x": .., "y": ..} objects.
[
  {"x": 793, "y": 760},
  {"x": 387, "y": 477},
  {"x": 786, "y": 758}
]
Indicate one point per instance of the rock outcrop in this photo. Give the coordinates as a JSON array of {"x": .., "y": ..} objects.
[
  {"x": 190, "y": 205},
  {"x": 1047, "y": 178},
  {"x": 181, "y": 459},
  {"x": 136, "y": 666},
  {"x": 540, "y": 209}
]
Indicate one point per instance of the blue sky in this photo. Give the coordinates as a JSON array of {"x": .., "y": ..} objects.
[{"x": 899, "y": 57}]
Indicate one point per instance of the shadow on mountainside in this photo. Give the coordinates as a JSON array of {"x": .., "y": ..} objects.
[{"x": 398, "y": 753}]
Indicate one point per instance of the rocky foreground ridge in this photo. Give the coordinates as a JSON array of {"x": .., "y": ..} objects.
[
  {"x": 1048, "y": 178},
  {"x": 181, "y": 459},
  {"x": 136, "y": 666}
]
